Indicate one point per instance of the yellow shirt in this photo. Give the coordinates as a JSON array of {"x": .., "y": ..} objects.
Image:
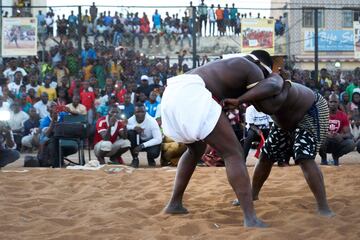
[
  {"x": 50, "y": 91},
  {"x": 60, "y": 73},
  {"x": 116, "y": 70},
  {"x": 87, "y": 71}
]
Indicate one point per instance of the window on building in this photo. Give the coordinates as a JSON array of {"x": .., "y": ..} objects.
[
  {"x": 309, "y": 18},
  {"x": 349, "y": 16}
]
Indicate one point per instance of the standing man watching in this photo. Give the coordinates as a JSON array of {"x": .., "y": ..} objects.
[{"x": 202, "y": 12}]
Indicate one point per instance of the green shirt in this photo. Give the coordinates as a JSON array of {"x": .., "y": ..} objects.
[
  {"x": 233, "y": 13},
  {"x": 100, "y": 75},
  {"x": 349, "y": 90},
  {"x": 202, "y": 9},
  {"x": 73, "y": 64}
]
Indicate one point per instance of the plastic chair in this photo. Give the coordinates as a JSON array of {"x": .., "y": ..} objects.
[{"x": 66, "y": 141}]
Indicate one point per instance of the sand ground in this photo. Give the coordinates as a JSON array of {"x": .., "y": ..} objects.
[{"x": 72, "y": 204}]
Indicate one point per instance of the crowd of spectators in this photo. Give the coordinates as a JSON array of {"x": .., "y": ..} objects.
[
  {"x": 116, "y": 28},
  {"x": 39, "y": 91}
]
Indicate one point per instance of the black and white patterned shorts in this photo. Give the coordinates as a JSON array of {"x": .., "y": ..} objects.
[
  {"x": 298, "y": 144},
  {"x": 305, "y": 140}
]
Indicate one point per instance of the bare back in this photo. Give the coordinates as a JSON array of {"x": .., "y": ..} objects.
[{"x": 228, "y": 78}]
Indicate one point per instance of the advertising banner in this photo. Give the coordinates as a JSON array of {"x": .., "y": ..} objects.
[{"x": 19, "y": 37}]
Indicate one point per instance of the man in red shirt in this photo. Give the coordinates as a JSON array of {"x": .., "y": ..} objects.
[
  {"x": 87, "y": 99},
  {"x": 120, "y": 91},
  {"x": 339, "y": 139},
  {"x": 110, "y": 137}
]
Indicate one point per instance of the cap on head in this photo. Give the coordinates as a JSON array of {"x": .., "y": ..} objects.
[{"x": 145, "y": 78}]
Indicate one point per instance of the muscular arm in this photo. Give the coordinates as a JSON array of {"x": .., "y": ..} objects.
[
  {"x": 272, "y": 104},
  {"x": 266, "y": 88}
]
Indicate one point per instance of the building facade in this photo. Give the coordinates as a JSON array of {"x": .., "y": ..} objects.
[{"x": 336, "y": 39}]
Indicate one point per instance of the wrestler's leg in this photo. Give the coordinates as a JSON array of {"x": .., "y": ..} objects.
[
  {"x": 305, "y": 152},
  {"x": 315, "y": 180},
  {"x": 276, "y": 144},
  {"x": 261, "y": 174},
  {"x": 223, "y": 140},
  {"x": 185, "y": 169}
]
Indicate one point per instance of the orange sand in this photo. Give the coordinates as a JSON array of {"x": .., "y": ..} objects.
[{"x": 72, "y": 204}]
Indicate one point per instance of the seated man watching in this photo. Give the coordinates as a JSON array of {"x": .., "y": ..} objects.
[
  {"x": 31, "y": 130},
  {"x": 8, "y": 152},
  {"x": 145, "y": 135},
  {"x": 339, "y": 140},
  {"x": 49, "y": 145},
  {"x": 76, "y": 108},
  {"x": 110, "y": 137}
]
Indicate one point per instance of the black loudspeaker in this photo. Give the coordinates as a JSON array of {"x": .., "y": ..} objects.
[{"x": 31, "y": 161}]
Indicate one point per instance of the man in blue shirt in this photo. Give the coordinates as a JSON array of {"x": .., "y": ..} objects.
[
  {"x": 40, "y": 18},
  {"x": 156, "y": 19},
  {"x": 88, "y": 52},
  {"x": 72, "y": 19},
  {"x": 151, "y": 104},
  {"x": 129, "y": 108},
  {"x": 108, "y": 20},
  {"x": 226, "y": 17},
  {"x": 49, "y": 145}
]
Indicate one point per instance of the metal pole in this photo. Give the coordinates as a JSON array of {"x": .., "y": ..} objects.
[
  {"x": 79, "y": 30},
  {"x": 1, "y": 33},
  {"x": 316, "y": 50},
  {"x": 287, "y": 36},
  {"x": 193, "y": 33}
]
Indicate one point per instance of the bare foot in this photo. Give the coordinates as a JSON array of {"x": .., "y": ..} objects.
[
  {"x": 326, "y": 213},
  {"x": 257, "y": 223},
  {"x": 236, "y": 202},
  {"x": 175, "y": 209}
]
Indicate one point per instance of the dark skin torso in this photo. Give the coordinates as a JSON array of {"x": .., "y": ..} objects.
[
  {"x": 228, "y": 78},
  {"x": 293, "y": 108}
]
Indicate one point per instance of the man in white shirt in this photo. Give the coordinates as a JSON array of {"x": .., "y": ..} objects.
[
  {"x": 212, "y": 20},
  {"x": 42, "y": 105},
  {"x": 76, "y": 108},
  {"x": 14, "y": 86},
  {"x": 257, "y": 123},
  {"x": 33, "y": 83},
  {"x": 102, "y": 30},
  {"x": 10, "y": 72},
  {"x": 145, "y": 135},
  {"x": 16, "y": 122}
]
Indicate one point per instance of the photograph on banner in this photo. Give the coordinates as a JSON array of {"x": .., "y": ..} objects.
[
  {"x": 19, "y": 37},
  {"x": 258, "y": 33},
  {"x": 357, "y": 39},
  {"x": 330, "y": 41}
]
